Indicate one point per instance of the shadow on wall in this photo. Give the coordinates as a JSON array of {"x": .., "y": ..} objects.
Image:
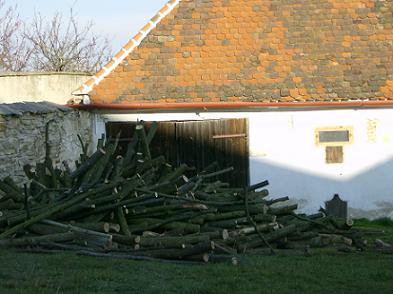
[{"x": 369, "y": 194}]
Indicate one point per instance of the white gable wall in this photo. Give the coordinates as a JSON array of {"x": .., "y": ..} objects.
[{"x": 283, "y": 150}]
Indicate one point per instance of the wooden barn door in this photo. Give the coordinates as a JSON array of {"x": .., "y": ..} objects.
[{"x": 198, "y": 144}]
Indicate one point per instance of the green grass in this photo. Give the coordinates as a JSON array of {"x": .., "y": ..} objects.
[
  {"x": 383, "y": 221},
  {"x": 385, "y": 224},
  {"x": 327, "y": 272}
]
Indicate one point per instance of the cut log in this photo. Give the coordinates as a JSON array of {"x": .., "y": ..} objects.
[
  {"x": 217, "y": 173},
  {"x": 30, "y": 241},
  {"x": 175, "y": 174},
  {"x": 10, "y": 192},
  {"x": 204, "y": 257},
  {"x": 188, "y": 228},
  {"x": 222, "y": 248},
  {"x": 126, "y": 240},
  {"x": 217, "y": 235},
  {"x": 231, "y": 223},
  {"x": 43, "y": 229},
  {"x": 214, "y": 258},
  {"x": 116, "y": 172},
  {"x": 261, "y": 251},
  {"x": 252, "y": 229},
  {"x": 132, "y": 257},
  {"x": 89, "y": 237},
  {"x": 253, "y": 208},
  {"x": 173, "y": 242},
  {"x": 140, "y": 130},
  {"x": 85, "y": 166},
  {"x": 270, "y": 237},
  {"x": 123, "y": 222},
  {"x": 277, "y": 200},
  {"x": 324, "y": 240},
  {"x": 284, "y": 210},
  {"x": 103, "y": 227},
  {"x": 341, "y": 224},
  {"x": 11, "y": 183},
  {"x": 49, "y": 212},
  {"x": 199, "y": 248},
  {"x": 379, "y": 244},
  {"x": 224, "y": 216},
  {"x": 11, "y": 205},
  {"x": 258, "y": 186},
  {"x": 299, "y": 236},
  {"x": 72, "y": 212}
]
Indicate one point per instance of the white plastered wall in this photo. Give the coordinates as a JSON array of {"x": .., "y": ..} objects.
[{"x": 283, "y": 150}]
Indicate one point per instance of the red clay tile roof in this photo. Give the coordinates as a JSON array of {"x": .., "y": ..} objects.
[{"x": 255, "y": 51}]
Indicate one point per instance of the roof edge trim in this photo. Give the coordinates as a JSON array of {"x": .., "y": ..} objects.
[
  {"x": 127, "y": 49},
  {"x": 236, "y": 105}
]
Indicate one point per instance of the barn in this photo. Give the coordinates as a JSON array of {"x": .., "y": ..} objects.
[{"x": 296, "y": 92}]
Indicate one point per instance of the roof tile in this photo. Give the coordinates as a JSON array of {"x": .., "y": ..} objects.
[{"x": 256, "y": 50}]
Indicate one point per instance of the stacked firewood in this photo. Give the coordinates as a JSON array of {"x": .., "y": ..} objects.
[{"x": 137, "y": 206}]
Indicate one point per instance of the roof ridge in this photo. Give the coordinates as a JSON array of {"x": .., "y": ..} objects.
[{"x": 127, "y": 49}]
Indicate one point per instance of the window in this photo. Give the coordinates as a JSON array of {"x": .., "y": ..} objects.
[
  {"x": 333, "y": 136},
  {"x": 334, "y": 154}
]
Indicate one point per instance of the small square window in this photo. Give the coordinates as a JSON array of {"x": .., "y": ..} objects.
[{"x": 334, "y": 154}]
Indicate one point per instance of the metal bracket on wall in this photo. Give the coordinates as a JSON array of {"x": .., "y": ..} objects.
[{"x": 229, "y": 136}]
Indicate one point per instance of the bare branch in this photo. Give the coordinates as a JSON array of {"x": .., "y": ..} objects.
[
  {"x": 65, "y": 45},
  {"x": 14, "y": 50},
  {"x": 49, "y": 44}
]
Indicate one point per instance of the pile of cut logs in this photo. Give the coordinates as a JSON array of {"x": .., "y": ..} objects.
[{"x": 140, "y": 207}]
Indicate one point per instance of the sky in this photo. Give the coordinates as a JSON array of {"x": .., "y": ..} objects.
[{"x": 119, "y": 20}]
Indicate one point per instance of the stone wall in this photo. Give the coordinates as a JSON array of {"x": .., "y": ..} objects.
[{"x": 22, "y": 138}]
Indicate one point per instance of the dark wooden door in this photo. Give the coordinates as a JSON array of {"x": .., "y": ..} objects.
[{"x": 198, "y": 144}]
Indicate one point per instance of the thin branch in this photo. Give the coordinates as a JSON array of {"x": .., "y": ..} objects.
[
  {"x": 59, "y": 43},
  {"x": 14, "y": 50},
  {"x": 65, "y": 45}
]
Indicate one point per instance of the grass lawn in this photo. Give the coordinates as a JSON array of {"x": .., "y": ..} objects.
[{"x": 327, "y": 272}]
